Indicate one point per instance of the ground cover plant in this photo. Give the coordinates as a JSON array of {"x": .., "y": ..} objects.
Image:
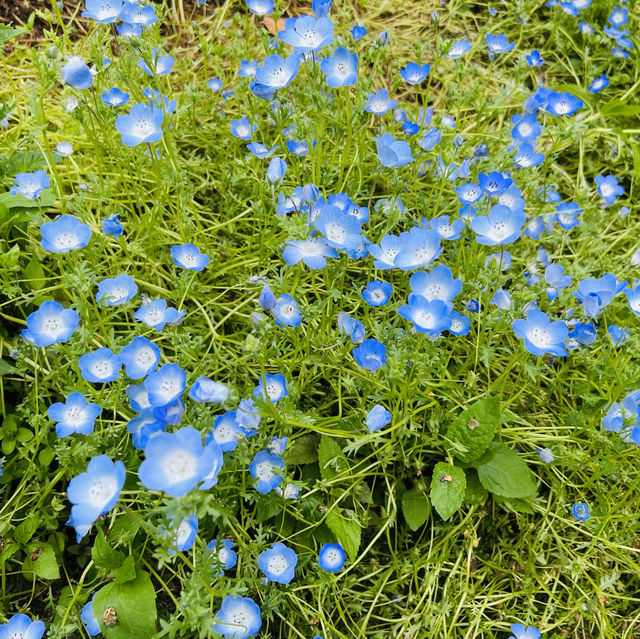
[{"x": 320, "y": 321}]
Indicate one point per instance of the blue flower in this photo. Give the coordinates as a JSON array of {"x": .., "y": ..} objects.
[
  {"x": 143, "y": 427},
  {"x": 267, "y": 299},
  {"x": 331, "y": 557},
  {"x": 260, "y": 7},
  {"x": 312, "y": 251},
  {"x": 104, "y": 11},
  {"x": 138, "y": 14},
  {"x": 581, "y": 334},
  {"x": 114, "y": 291},
  {"x": 171, "y": 413},
  {"x": 189, "y": 257},
  {"x": 618, "y": 17},
  {"x": 260, "y": 150},
  {"x": 417, "y": 248},
  {"x": 160, "y": 64},
  {"x": 165, "y": 385},
  {"x": 247, "y": 68},
  {"x": 525, "y": 128},
  {"x": 527, "y": 156},
  {"x": 494, "y": 184},
  {"x": 415, "y": 73},
  {"x": 50, "y": 324},
  {"x": 140, "y": 357},
  {"x": 341, "y": 69},
  {"x": 243, "y": 128},
  {"x": 358, "y": 32},
  {"x": 473, "y": 306},
  {"x": 88, "y": 618},
  {"x": 428, "y": 316},
  {"x": 439, "y": 284},
  {"x": 266, "y": 469},
  {"x": 617, "y": 335},
  {"x": 458, "y": 49},
  {"x": 633, "y": 297},
  {"x": 379, "y": 103},
  {"x": 378, "y": 417},
  {"x": 321, "y": 8},
  {"x": 278, "y": 563},
  {"x": 185, "y": 535},
  {"x": 377, "y": 293},
  {"x": 459, "y": 324},
  {"x": 30, "y": 185},
  {"x": 581, "y": 511},
  {"x": 306, "y": 34},
  {"x": 143, "y": 124},
  {"x": 534, "y": 59},
  {"x": 66, "y": 234},
  {"x": 100, "y": 366},
  {"x": 94, "y": 492},
  {"x": 21, "y": 627},
  {"x": 553, "y": 275},
  {"x": 545, "y": 455},
  {"x": 286, "y": 312},
  {"x": 498, "y": 44},
  {"x": 115, "y": 97},
  {"x": 76, "y": 73},
  {"x": 444, "y": 228},
  {"x": 276, "y": 72},
  {"x": 238, "y": 617},
  {"x": 341, "y": 230},
  {"x": 248, "y": 417},
  {"x": 393, "y": 153},
  {"x": 370, "y": 355},
  {"x": 430, "y": 139},
  {"x": 276, "y": 170},
  {"x": 500, "y": 226},
  {"x": 223, "y": 555},
  {"x": 540, "y": 334},
  {"x": 274, "y": 385},
  {"x": 599, "y": 83},
  {"x": 215, "y": 84},
  {"x": 298, "y": 147},
  {"x": 520, "y": 632},
  {"x": 567, "y": 214},
  {"x": 159, "y": 100},
  {"x": 595, "y": 294},
  {"x": 74, "y": 416},
  {"x": 206, "y": 390},
  {"x": 156, "y": 313},
  {"x": 175, "y": 462},
  {"x": 64, "y": 149},
  {"x": 352, "y": 327},
  {"x": 501, "y": 299},
  {"x": 608, "y": 188},
  {"x": 469, "y": 193},
  {"x": 127, "y": 30},
  {"x": 562, "y": 104},
  {"x": 112, "y": 226},
  {"x": 226, "y": 431}
]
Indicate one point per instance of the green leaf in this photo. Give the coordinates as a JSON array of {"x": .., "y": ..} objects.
[
  {"x": 41, "y": 560},
  {"x": 347, "y": 532},
  {"x": 516, "y": 505},
  {"x": 46, "y": 199},
  {"x": 303, "y": 450},
  {"x": 415, "y": 508},
  {"x": 104, "y": 556},
  {"x": 7, "y": 32},
  {"x": 330, "y": 458},
  {"x": 474, "y": 428},
  {"x": 34, "y": 275},
  {"x": 448, "y": 486},
  {"x": 619, "y": 107},
  {"x": 476, "y": 494},
  {"x": 506, "y": 474},
  {"x": 25, "y": 530},
  {"x": 6, "y": 368},
  {"x": 127, "y": 571},
  {"x": 134, "y": 604}
]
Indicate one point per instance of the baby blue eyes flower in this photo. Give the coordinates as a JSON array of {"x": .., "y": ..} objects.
[
  {"x": 469, "y": 193},
  {"x": 274, "y": 385},
  {"x": 439, "y": 284},
  {"x": 581, "y": 511},
  {"x": 430, "y": 139},
  {"x": 525, "y": 128},
  {"x": 278, "y": 563},
  {"x": 112, "y": 226},
  {"x": 266, "y": 469},
  {"x": 276, "y": 72},
  {"x": 30, "y": 185},
  {"x": 526, "y": 156},
  {"x": 206, "y": 390},
  {"x": 541, "y": 335},
  {"x": 94, "y": 492},
  {"x": 617, "y": 335},
  {"x": 142, "y": 124},
  {"x": 238, "y": 617},
  {"x": 226, "y": 431},
  {"x": 545, "y": 455},
  {"x": 21, "y": 627},
  {"x": 500, "y": 226},
  {"x": 608, "y": 188},
  {"x": 115, "y": 97},
  {"x": 494, "y": 183},
  {"x": 498, "y": 44},
  {"x": 188, "y": 256},
  {"x": 247, "y": 68},
  {"x": 66, "y": 234},
  {"x": 104, "y": 11},
  {"x": 243, "y": 128},
  {"x": 358, "y": 32},
  {"x": 260, "y": 7},
  {"x": 331, "y": 557},
  {"x": 377, "y": 293},
  {"x": 415, "y": 73},
  {"x": 417, "y": 248},
  {"x": 351, "y": 327},
  {"x": 341, "y": 69},
  {"x": 534, "y": 59},
  {"x": 175, "y": 462},
  {"x": 595, "y": 294},
  {"x": 165, "y": 385},
  {"x": 445, "y": 229},
  {"x": 370, "y": 355},
  {"x": 458, "y": 49},
  {"x": 341, "y": 230},
  {"x": 160, "y": 64},
  {"x": 114, "y": 291},
  {"x": 143, "y": 427},
  {"x": 50, "y": 324},
  {"x": 276, "y": 170},
  {"x": 140, "y": 357},
  {"x": 427, "y": 316},
  {"x": 156, "y": 314},
  {"x": 248, "y": 417},
  {"x": 393, "y": 153},
  {"x": 222, "y": 554},
  {"x": 74, "y": 416},
  {"x": 76, "y": 73},
  {"x": 379, "y": 103},
  {"x": 563, "y": 104},
  {"x": 286, "y": 312},
  {"x": 553, "y": 275},
  {"x": 599, "y": 83},
  {"x": 633, "y": 298},
  {"x": 521, "y": 632},
  {"x": 64, "y": 149},
  {"x": 267, "y": 299},
  {"x": 100, "y": 366},
  {"x": 321, "y": 8},
  {"x": 215, "y": 84},
  {"x": 298, "y": 147},
  {"x": 307, "y": 34},
  {"x": 377, "y": 418},
  {"x": 185, "y": 535},
  {"x": 88, "y": 618},
  {"x": 127, "y": 30},
  {"x": 260, "y": 150},
  {"x": 618, "y": 17}
]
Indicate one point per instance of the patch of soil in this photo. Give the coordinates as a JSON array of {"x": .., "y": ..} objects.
[{"x": 17, "y": 13}]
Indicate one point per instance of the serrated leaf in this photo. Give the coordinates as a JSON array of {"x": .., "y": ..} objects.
[
  {"x": 41, "y": 560},
  {"x": 330, "y": 458},
  {"x": 415, "y": 508},
  {"x": 134, "y": 604},
  {"x": 347, "y": 532},
  {"x": 473, "y": 430},
  {"x": 103, "y": 555},
  {"x": 303, "y": 450},
  {"x": 448, "y": 486},
  {"x": 7, "y": 32},
  {"x": 506, "y": 474},
  {"x": 24, "y": 531}
]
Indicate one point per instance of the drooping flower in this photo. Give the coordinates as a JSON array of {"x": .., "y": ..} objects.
[
  {"x": 595, "y": 294},
  {"x": 50, "y": 324},
  {"x": 185, "y": 535},
  {"x": 74, "y": 416},
  {"x": 89, "y": 619},
  {"x": 278, "y": 563},
  {"x": 206, "y": 390},
  {"x": 76, "y": 73},
  {"x": 112, "y": 226},
  {"x": 238, "y": 617},
  {"x": 370, "y": 355},
  {"x": 276, "y": 170},
  {"x": 378, "y": 417},
  {"x": 633, "y": 297},
  {"x": 541, "y": 335},
  {"x": 352, "y": 327},
  {"x": 189, "y": 257},
  {"x": 331, "y": 557},
  {"x": 114, "y": 291}
]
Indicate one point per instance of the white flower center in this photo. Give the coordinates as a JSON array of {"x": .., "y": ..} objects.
[
  {"x": 277, "y": 564},
  {"x": 64, "y": 241},
  {"x": 180, "y": 465}
]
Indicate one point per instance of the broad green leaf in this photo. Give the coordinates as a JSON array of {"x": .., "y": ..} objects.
[
  {"x": 476, "y": 494},
  {"x": 103, "y": 555},
  {"x": 515, "y": 505},
  {"x": 134, "y": 606},
  {"x": 5, "y": 368},
  {"x": 41, "y": 560},
  {"x": 7, "y": 32},
  {"x": 448, "y": 486},
  {"x": 25, "y": 530},
  {"x": 46, "y": 199},
  {"x": 347, "y": 532},
  {"x": 506, "y": 474},
  {"x": 415, "y": 508},
  {"x": 303, "y": 450},
  {"x": 619, "y": 107},
  {"x": 34, "y": 275},
  {"x": 127, "y": 571},
  {"x": 475, "y": 428},
  {"x": 330, "y": 458}
]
